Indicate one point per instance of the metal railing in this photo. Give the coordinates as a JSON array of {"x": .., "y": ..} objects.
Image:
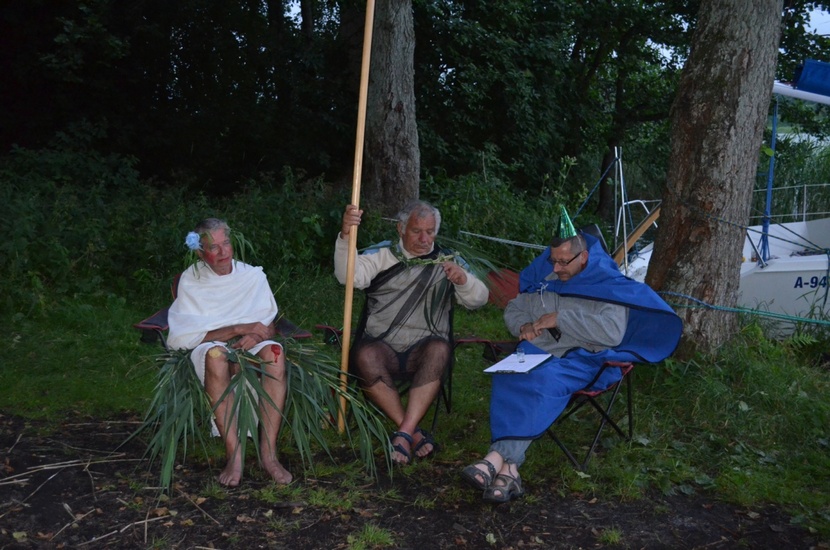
[{"x": 798, "y": 202}]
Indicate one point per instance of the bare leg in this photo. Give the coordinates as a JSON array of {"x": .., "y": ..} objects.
[
  {"x": 388, "y": 401},
  {"x": 420, "y": 398},
  {"x": 274, "y": 385},
  {"x": 217, "y": 377},
  {"x": 372, "y": 364},
  {"x": 428, "y": 362}
]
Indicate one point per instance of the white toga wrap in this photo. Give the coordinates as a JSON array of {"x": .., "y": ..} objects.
[{"x": 207, "y": 301}]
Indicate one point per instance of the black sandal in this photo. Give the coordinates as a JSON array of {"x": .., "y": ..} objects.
[
  {"x": 511, "y": 488},
  {"x": 426, "y": 439},
  {"x": 400, "y": 448},
  {"x": 471, "y": 475}
]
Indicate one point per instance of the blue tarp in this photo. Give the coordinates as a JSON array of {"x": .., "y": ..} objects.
[
  {"x": 814, "y": 77},
  {"x": 523, "y": 406}
]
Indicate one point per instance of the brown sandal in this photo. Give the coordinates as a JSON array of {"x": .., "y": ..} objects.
[
  {"x": 478, "y": 478},
  {"x": 510, "y": 488}
]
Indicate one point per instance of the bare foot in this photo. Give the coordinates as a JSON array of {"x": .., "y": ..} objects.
[
  {"x": 277, "y": 472},
  {"x": 402, "y": 454},
  {"x": 423, "y": 444},
  {"x": 232, "y": 474}
]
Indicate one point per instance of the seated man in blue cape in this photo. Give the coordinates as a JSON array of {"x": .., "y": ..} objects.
[{"x": 575, "y": 304}]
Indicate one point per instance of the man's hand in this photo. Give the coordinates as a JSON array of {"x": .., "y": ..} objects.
[
  {"x": 252, "y": 334},
  {"x": 530, "y": 331},
  {"x": 351, "y": 218},
  {"x": 455, "y": 273},
  {"x": 548, "y": 320}
]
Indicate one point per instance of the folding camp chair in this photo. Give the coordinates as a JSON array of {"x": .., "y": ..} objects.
[
  {"x": 154, "y": 328},
  {"x": 602, "y": 402}
]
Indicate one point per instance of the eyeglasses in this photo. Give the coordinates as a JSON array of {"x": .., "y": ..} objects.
[{"x": 563, "y": 263}]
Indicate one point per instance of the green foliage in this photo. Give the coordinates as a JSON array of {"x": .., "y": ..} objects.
[
  {"x": 371, "y": 536},
  {"x": 218, "y": 93},
  {"x": 66, "y": 349},
  {"x": 802, "y": 176},
  {"x": 180, "y": 414},
  {"x": 749, "y": 425},
  {"x": 126, "y": 236}
]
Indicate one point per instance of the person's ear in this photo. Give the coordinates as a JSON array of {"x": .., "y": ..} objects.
[{"x": 400, "y": 229}]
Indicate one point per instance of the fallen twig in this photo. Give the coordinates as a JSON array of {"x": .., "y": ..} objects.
[
  {"x": 199, "y": 507},
  {"x": 115, "y": 532},
  {"x": 61, "y": 465},
  {"x": 42, "y": 484},
  {"x": 74, "y": 520},
  {"x": 105, "y": 422},
  {"x": 91, "y": 482},
  {"x": 14, "y": 482},
  {"x": 16, "y": 441}
]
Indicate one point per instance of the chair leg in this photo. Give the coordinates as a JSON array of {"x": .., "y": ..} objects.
[
  {"x": 605, "y": 414},
  {"x": 606, "y": 419}
]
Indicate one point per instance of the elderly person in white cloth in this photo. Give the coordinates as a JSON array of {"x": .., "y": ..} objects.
[{"x": 219, "y": 300}]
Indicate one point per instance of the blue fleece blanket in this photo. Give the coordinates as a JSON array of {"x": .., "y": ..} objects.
[{"x": 523, "y": 406}]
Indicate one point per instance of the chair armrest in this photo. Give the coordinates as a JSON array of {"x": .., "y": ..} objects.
[
  {"x": 153, "y": 328},
  {"x": 331, "y": 335},
  {"x": 287, "y": 329},
  {"x": 625, "y": 369}
]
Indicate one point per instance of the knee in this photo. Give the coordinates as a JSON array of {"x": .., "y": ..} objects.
[
  {"x": 439, "y": 349},
  {"x": 363, "y": 360},
  {"x": 275, "y": 368},
  {"x": 216, "y": 360}
]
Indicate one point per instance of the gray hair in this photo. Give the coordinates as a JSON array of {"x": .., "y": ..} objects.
[
  {"x": 578, "y": 243},
  {"x": 209, "y": 225},
  {"x": 421, "y": 209}
]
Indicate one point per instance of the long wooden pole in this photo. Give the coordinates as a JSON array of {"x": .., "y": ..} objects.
[
  {"x": 623, "y": 248},
  {"x": 358, "y": 168}
]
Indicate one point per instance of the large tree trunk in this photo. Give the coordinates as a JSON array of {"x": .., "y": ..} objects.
[
  {"x": 717, "y": 119},
  {"x": 392, "y": 158}
]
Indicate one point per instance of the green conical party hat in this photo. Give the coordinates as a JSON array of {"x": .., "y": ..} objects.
[{"x": 564, "y": 229}]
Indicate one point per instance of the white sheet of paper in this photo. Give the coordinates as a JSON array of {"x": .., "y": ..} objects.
[{"x": 511, "y": 364}]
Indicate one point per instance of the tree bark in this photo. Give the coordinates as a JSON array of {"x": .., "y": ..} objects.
[
  {"x": 718, "y": 118},
  {"x": 392, "y": 158}
]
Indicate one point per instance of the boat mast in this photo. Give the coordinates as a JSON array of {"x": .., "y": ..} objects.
[{"x": 764, "y": 254}]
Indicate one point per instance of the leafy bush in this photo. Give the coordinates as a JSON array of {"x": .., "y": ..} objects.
[{"x": 80, "y": 222}]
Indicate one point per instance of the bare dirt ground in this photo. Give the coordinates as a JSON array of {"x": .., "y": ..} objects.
[{"x": 68, "y": 488}]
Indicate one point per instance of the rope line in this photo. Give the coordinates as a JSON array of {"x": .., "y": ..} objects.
[
  {"x": 505, "y": 241},
  {"x": 771, "y": 314}
]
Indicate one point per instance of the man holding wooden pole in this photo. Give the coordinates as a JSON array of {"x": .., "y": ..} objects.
[{"x": 405, "y": 330}]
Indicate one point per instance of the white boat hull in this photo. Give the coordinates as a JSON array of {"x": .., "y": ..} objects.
[{"x": 790, "y": 284}]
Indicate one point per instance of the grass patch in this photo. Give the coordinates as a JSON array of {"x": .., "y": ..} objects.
[
  {"x": 751, "y": 426},
  {"x": 371, "y": 536}
]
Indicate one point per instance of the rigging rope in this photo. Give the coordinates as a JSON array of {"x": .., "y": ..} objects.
[{"x": 771, "y": 314}]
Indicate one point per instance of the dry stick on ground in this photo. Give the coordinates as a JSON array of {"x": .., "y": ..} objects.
[
  {"x": 66, "y": 464},
  {"x": 42, "y": 484},
  {"x": 85, "y": 449},
  {"x": 74, "y": 520},
  {"x": 115, "y": 532},
  {"x": 147, "y": 515},
  {"x": 91, "y": 481},
  {"x": 16, "y": 441},
  {"x": 198, "y": 507}
]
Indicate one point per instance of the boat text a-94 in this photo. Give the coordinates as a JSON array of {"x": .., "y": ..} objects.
[{"x": 812, "y": 282}]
